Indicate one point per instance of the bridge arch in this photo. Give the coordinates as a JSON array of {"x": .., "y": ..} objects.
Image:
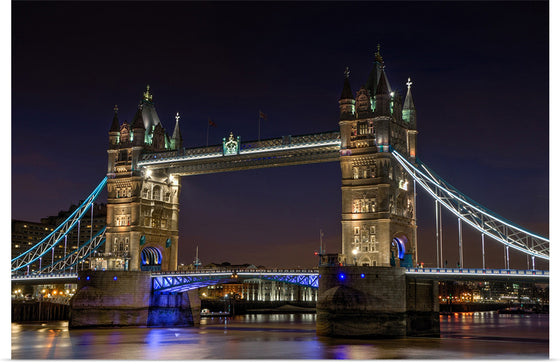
[{"x": 151, "y": 259}]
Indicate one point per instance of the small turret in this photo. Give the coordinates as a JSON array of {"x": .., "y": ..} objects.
[
  {"x": 114, "y": 132},
  {"x": 137, "y": 126},
  {"x": 346, "y": 101}
]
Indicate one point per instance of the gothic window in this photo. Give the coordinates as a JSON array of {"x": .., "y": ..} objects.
[
  {"x": 356, "y": 206},
  {"x": 356, "y": 230},
  {"x": 372, "y": 230},
  {"x": 167, "y": 197},
  {"x": 363, "y": 128},
  {"x": 356, "y": 172},
  {"x": 157, "y": 193},
  {"x": 128, "y": 192},
  {"x": 145, "y": 193},
  {"x": 365, "y": 173}
]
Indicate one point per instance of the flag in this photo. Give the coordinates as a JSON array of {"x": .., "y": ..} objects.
[
  {"x": 262, "y": 115},
  {"x": 211, "y": 123}
]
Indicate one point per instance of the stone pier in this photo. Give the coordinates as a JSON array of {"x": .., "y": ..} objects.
[
  {"x": 361, "y": 301},
  {"x": 125, "y": 298}
]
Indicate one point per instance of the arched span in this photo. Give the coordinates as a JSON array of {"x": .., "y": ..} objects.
[
  {"x": 150, "y": 258},
  {"x": 400, "y": 243}
]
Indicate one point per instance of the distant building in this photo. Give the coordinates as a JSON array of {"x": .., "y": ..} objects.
[{"x": 26, "y": 234}]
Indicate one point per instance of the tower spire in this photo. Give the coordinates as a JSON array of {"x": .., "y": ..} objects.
[
  {"x": 115, "y": 124},
  {"x": 177, "y": 139},
  {"x": 346, "y": 101},
  {"x": 346, "y": 89},
  {"x": 409, "y": 111}
]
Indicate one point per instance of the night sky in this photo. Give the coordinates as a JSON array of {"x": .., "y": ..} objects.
[{"x": 480, "y": 74}]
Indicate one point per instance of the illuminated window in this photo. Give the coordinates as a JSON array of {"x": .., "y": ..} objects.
[
  {"x": 356, "y": 172},
  {"x": 157, "y": 193}
]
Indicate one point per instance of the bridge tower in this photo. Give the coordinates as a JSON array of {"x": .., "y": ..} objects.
[
  {"x": 142, "y": 204},
  {"x": 378, "y": 201}
]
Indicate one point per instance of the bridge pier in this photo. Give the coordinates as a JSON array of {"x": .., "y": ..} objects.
[
  {"x": 358, "y": 301},
  {"x": 125, "y": 298}
]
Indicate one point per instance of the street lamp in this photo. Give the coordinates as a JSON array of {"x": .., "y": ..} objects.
[{"x": 354, "y": 253}]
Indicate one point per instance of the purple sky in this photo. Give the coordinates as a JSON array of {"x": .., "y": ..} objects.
[{"x": 480, "y": 86}]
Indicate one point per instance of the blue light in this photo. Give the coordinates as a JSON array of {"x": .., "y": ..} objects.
[
  {"x": 87, "y": 278},
  {"x": 115, "y": 278},
  {"x": 362, "y": 275},
  {"x": 341, "y": 276}
]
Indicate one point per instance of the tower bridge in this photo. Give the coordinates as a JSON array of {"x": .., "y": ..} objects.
[{"x": 380, "y": 173}]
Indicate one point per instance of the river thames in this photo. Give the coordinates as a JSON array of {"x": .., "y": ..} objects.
[{"x": 478, "y": 335}]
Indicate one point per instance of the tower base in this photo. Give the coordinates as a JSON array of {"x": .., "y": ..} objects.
[
  {"x": 125, "y": 298},
  {"x": 356, "y": 301}
]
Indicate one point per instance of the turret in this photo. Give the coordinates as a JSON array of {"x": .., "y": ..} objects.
[
  {"x": 382, "y": 97},
  {"x": 346, "y": 101},
  {"x": 114, "y": 132},
  {"x": 137, "y": 126}
]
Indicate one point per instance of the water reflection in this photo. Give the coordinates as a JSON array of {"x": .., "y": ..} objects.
[{"x": 285, "y": 336}]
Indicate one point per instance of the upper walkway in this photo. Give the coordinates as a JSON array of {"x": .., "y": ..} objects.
[{"x": 284, "y": 151}]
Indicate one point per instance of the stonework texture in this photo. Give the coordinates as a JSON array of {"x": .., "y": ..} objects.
[
  {"x": 122, "y": 298},
  {"x": 375, "y": 302}
]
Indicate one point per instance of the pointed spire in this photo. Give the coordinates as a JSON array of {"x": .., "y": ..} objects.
[
  {"x": 177, "y": 138},
  {"x": 408, "y": 102},
  {"x": 346, "y": 88},
  {"x": 383, "y": 85},
  {"x": 115, "y": 126},
  {"x": 138, "y": 121}
]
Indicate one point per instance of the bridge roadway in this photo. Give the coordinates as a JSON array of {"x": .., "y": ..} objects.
[{"x": 185, "y": 280}]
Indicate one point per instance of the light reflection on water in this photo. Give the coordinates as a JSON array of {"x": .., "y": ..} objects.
[{"x": 285, "y": 336}]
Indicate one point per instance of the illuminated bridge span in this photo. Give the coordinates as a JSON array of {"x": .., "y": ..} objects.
[
  {"x": 284, "y": 151},
  {"x": 474, "y": 214},
  {"x": 183, "y": 281}
]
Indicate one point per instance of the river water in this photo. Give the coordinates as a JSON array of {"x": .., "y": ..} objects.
[{"x": 479, "y": 335}]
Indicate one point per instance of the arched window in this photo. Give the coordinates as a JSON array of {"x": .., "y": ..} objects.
[{"x": 156, "y": 193}]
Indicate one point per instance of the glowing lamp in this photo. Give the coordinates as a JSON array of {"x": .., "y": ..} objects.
[{"x": 341, "y": 276}]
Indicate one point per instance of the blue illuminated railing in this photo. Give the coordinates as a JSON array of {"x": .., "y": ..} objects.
[
  {"x": 50, "y": 241},
  {"x": 183, "y": 281},
  {"x": 474, "y": 214}
]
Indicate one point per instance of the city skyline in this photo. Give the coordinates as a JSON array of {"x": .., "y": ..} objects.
[{"x": 477, "y": 106}]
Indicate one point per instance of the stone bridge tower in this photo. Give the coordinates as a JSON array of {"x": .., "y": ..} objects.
[
  {"x": 378, "y": 201},
  {"x": 142, "y": 204}
]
